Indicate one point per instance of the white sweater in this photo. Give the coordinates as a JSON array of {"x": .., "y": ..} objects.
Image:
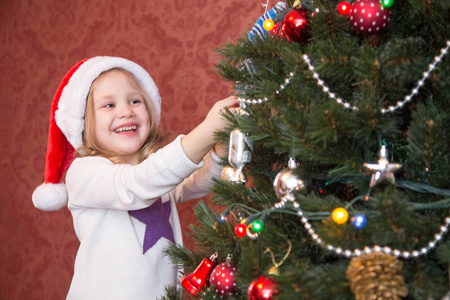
[{"x": 110, "y": 263}]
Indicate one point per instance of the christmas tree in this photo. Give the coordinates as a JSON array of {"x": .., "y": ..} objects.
[{"x": 337, "y": 176}]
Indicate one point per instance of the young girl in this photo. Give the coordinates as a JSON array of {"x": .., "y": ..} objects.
[{"x": 123, "y": 187}]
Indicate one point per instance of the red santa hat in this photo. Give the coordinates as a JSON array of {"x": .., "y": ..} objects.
[{"x": 67, "y": 122}]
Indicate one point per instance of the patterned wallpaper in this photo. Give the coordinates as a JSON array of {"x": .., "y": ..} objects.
[{"x": 39, "y": 42}]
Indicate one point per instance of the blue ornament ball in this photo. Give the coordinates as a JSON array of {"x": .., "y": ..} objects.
[
  {"x": 222, "y": 219},
  {"x": 359, "y": 221}
]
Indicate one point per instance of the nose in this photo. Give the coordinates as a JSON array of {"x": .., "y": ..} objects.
[{"x": 125, "y": 111}]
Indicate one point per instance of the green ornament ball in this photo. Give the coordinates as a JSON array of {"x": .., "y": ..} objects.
[
  {"x": 387, "y": 3},
  {"x": 257, "y": 226}
]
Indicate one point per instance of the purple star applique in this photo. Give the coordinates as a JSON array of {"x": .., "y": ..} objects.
[{"x": 156, "y": 220}]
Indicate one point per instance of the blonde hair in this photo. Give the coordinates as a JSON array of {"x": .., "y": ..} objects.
[{"x": 155, "y": 140}]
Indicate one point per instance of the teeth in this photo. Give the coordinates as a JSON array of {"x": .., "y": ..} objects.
[{"x": 126, "y": 128}]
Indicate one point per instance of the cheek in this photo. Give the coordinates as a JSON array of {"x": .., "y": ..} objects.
[
  {"x": 145, "y": 118},
  {"x": 102, "y": 127},
  {"x": 145, "y": 129},
  {"x": 102, "y": 121}
]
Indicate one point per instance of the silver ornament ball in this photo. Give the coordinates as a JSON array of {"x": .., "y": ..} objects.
[{"x": 292, "y": 180}]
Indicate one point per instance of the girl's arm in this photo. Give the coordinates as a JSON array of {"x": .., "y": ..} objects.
[
  {"x": 96, "y": 182},
  {"x": 200, "y": 182}
]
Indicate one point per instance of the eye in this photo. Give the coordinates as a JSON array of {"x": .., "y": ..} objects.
[
  {"x": 135, "y": 101},
  {"x": 108, "y": 105}
]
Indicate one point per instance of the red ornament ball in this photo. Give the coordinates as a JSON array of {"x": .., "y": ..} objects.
[
  {"x": 295, "y": 25},
  {"x": 240, "y": 230},
  {"x": 222, "y": 277},
  {"x": 275, "y": 31},
  {"x": 262, "y": 288},
  {"x": 369, "y": 16},
  {"x": 343, "y": 7}
]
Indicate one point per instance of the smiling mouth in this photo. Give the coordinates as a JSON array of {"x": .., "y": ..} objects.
[{"x": 126, "y": 129}]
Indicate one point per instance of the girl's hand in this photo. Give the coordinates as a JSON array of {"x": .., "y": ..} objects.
[
  {"x": 214, "y": 118},
  {"x": 200, "y": 140}
]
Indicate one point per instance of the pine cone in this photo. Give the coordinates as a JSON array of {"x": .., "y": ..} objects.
[{"x": 376, "y": 276}]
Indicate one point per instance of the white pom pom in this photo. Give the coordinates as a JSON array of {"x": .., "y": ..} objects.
[{"x": 49, "y": 196}]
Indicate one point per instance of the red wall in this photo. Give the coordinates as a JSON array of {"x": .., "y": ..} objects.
[{"x": 39, "y": 42}]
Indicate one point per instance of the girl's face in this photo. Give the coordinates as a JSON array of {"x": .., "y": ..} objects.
[{"x": 121, "y": 118}]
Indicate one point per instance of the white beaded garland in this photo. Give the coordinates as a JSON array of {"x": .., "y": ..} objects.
[
  {"x": 252, "y": 235},
  {"x": 391, "y": 108},
  {"x": 326, "y": 89},
  {"x": 357, "y": 252},
  {"x": 347, "y": 253},
  {"x": 265, "y": 99}
]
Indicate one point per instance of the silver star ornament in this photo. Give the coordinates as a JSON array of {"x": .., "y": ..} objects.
[{"x": 383, "y": 170}]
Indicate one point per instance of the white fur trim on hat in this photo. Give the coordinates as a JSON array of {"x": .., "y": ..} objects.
[
  {"x": 50, "y": 196},
  {"x": 72, "y": 104}
]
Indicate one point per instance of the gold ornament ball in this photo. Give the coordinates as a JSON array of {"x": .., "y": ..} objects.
[
  {"x": 339, "y": 215},
  {"x": 268, "y": 25},
  {"x": 227, "y": 173}
]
